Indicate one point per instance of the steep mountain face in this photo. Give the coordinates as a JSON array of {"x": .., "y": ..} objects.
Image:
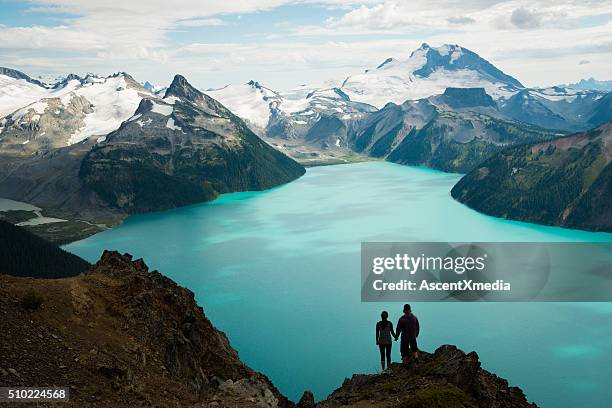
[
  {"x": 25, "y": 254},
  {"x": 252, "y": 102},
  {"x": 458, "y": 98},
  {"x": 181, "y": 149},
  {"x": 13, "y": 73},
  {"x": 294, "y": 115},
  {"x": 70, "y": 112},
  {"x": 428, "y": 71},
  {"x": 558, "y": 108},
  {"x": 380, "y": 133},
  {"x": 458, "y": 141},
  {"x": 602, "y": 112},
  {"x": 452, "y": 132},
  {"x": 566, "y": 181}
]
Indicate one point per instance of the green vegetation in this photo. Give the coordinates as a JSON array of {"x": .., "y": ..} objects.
[
  {"x": 455, "y": 142},
  {"x": 567, "y": 182},
  {"x": 25, "y": 254},
  {"x": 64, "y": 232},
  {"x": 17, "y": 216}
]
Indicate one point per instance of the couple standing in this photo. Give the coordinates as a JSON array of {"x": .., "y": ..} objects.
[{"x": 407, "y": 327}]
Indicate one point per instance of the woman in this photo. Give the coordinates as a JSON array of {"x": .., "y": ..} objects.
[{"x": 384, "y": 331}]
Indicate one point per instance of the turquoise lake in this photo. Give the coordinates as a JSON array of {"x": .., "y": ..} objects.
[{"x": 279, "y": 272}]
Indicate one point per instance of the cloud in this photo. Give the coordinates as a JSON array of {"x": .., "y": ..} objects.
[
  {"x": 523, "y": 18},
  {"x": 60, "y": 38},
  {"x": 460, "y": 20},
  {"x": 547, "y": 41},
  {"x": 200, "y": 22}
]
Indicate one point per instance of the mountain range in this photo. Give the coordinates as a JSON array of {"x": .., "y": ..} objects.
[
  {"x": 428, "y": 71},
  {"x": 92, "y": 150},
  {"x": 97, "y": 148}
]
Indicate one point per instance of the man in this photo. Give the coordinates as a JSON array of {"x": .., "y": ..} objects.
[{"x": 408, "y": 328}]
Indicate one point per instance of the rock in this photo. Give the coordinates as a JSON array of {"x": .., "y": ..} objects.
[
  {"x": 190, "y": 362},
  {"x": 307, "y": 400},
  {"x": 448, "y": 374}
]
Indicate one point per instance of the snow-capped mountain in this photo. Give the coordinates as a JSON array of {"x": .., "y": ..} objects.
[
  {"x": 17, "y": 90},
  {"x": 159, "y": 90},
  {"x": 291, "y": 114},
  {"x": 39, "y": 117},
  {"x": 557, "y": 108},
  {"x": 252, "y": 102},
  {"x": 428, "y": 71}
]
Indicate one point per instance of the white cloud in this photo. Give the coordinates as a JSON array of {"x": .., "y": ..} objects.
[
  {"x": 525, "y": 18},
  {"x": 134, "y": 36},
  {"x": 200, "y": 22}
]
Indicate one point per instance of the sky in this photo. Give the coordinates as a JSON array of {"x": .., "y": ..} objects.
[{"x": 286, "y": 43}]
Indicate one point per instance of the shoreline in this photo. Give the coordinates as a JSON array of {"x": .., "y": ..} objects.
[{"x": 70, "y": 230}]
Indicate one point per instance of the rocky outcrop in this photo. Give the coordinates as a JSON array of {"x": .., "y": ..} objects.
[
  {"x": 447, "y": 378},
  {"x": 119, "y": 335}
]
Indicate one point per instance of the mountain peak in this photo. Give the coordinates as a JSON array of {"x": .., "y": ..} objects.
[
  {"x": 13, "y": 73},
  {"x": 385, "y": 62},
  {"x": 180, "y": 87},
  {"x": 453, "y": 57},
  {"x": 254, "y": 84}
]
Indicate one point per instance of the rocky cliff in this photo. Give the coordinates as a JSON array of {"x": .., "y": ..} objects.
[{"x": 121, "y": 336}]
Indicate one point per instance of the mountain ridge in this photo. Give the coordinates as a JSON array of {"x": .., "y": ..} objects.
[{"x": 566, "y": 181}]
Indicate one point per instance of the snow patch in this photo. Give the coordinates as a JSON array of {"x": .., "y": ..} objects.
[
  {"x": 171, "y": 100},
  {"x": 170, "y": 125},
  {"x": 247, "y": 101},
  {"x": 145, "y": 123},
  {"x": 162, "y": 109},
  {"x": 113, "y": 102}
]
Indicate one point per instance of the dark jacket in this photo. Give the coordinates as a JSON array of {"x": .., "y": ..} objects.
[
  {"x": 408, "y": 327},
  {"x": 384, "y": 331}
]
